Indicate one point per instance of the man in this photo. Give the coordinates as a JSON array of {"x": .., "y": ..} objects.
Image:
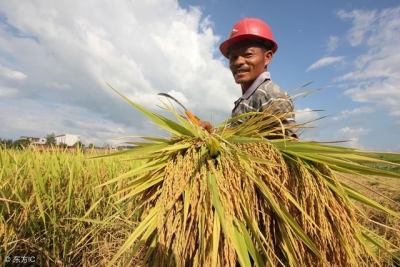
[{"x": 250, "y": 48}]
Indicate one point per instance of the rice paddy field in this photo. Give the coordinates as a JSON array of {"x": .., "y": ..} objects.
[{"x": 53, "y": 212}]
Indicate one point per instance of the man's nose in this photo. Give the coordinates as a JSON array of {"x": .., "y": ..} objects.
[{"x": 239, "y": 61}]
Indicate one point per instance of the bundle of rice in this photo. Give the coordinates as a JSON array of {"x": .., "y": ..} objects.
[{"x": 235, "y": 197}]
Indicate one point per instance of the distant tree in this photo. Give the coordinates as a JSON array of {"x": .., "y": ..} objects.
[
  {"x": 79, "y": 144},
  {"x": 6, "y": 143},
  {"x": 63, "y": 145},
  {"x": 91, "y": 145},
  {"x": 51, "y": 139},
  {"x": 9, "y": 143},
  {"x": 20, "y": 144}
]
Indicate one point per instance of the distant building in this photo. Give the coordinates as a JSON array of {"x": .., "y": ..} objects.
[
  {"x": 30, "y": 139},
  {"x": 126, "y": 147},
  {"x": 41, "y": 141},
  {"x": 34, "y": 140},
  {"x": 68, "y": 139}
]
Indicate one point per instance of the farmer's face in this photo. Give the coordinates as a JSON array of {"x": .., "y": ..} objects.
[{"x": 247, "y": 60}]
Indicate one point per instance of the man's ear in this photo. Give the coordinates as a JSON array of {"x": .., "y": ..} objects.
[{"x": 268, "y": 55}]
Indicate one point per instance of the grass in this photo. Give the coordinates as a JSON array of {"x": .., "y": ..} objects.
[{"x": 390, "y": 157}]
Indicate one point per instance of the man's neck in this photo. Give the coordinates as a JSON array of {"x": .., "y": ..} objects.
[
  {"x": 260, "y": 79},
  {"x": 245, "y": 88}
]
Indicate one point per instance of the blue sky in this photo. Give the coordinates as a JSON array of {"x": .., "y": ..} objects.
[{"x": 56, "y": 57}]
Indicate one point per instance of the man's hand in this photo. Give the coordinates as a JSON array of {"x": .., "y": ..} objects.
[{"x": 206, "y": 126}]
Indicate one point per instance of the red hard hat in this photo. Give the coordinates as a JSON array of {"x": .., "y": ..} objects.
[{"x": 248, "y": 28}]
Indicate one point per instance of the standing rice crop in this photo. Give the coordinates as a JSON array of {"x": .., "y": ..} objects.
[{"x": 51, "y": 212}]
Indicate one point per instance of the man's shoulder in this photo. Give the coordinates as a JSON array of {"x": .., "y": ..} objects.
[{"x": 269, "y": 87}]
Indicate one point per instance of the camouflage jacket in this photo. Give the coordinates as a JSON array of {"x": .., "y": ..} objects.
[{"x": 264, "y": 93}]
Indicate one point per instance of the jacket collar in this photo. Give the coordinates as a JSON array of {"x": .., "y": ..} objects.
[{"x": 257, "y": 82}]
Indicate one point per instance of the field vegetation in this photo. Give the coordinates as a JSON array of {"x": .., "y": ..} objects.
[
  {"x": 205, "y": 199},
  {"x": 52, "y": 208}
]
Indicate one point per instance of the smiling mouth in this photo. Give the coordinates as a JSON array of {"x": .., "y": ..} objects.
[{"x": 240, "y": 71}]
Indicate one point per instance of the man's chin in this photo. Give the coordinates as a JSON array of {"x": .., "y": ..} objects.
[{"x": 241, "y": 81}]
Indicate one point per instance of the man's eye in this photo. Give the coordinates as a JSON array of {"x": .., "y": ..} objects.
[{"x": 248, "y": 54}]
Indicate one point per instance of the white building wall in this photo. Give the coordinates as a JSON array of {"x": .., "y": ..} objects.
[
  {"x": 69, "y": 139},
  {"x": 41, "y": 141}
]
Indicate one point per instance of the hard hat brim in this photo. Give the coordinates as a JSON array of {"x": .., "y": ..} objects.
[{"x": 224, "y": 46}]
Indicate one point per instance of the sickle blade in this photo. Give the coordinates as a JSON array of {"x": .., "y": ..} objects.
[
  {"x": 192, "y": 117},
  {"x": 169, "y": 96}
]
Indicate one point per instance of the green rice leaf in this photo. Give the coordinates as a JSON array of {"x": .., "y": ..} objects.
[
  {"x": 354, "y": 194},
  {"x": 249, "y": 244},
  {"x": 147, "y": 223},
  {"x": 160, "y": 121},
  {"x": 152, "y": 165},
  {"x": 96, "y": 221},
  {"x": 215, "y": 241}
]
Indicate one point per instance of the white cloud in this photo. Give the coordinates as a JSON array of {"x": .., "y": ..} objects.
[
  {"x": 351, "y": 135},
  {"x": 306, "y": 115},
  {"x": 311, "y": 128},
  {"x": 39, "y": 120},
  {"x": 354, "y": 112},
  {"x": 56, "y": 85},
  {"x": 362, "y": 24},
  {"x": 11, "y": 74},
  {"x": 384, "y": 94},
  {"x": 69, "y": 50},
  {"x": 376, "y": 75},
  {"x": 332, "y": 44},
  {"x": 8, "y": 92},
  {"x": 323, "y": 62},
  {"x": 352, "y": 132}
]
